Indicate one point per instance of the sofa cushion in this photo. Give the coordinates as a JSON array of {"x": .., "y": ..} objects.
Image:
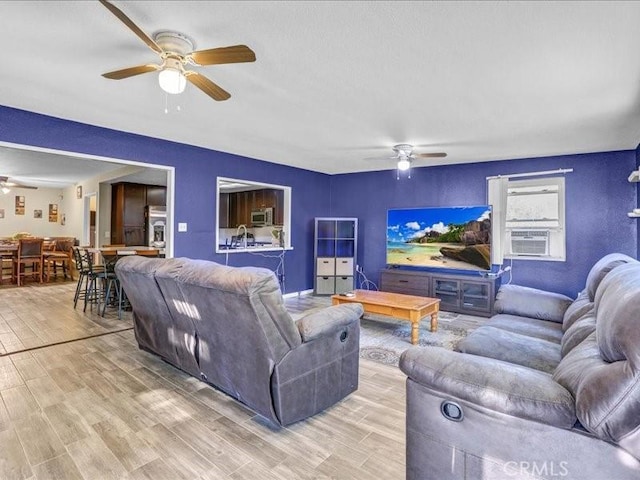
[
  {"x": 603, "y": 372},
  {"x": 577, "y": 310},
  {"x": 601, "y": 268},
  {"x": 577, "y": 332},
  {"x": 543, "y": 329},
  {"x": 531, "y": 302},
  {"x": 512, "y": 347}
]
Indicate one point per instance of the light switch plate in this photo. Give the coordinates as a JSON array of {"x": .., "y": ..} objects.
[{"x": 182, "y": 227}]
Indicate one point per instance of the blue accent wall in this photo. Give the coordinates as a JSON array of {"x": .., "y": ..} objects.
[
  {"x": 637, "y": 166},
  {"x": 598, "y": 197},
  {"x": 196, "y": 170}
]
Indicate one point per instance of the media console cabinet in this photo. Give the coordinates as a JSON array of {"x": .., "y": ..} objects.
[{"x": 473, "y": 295}]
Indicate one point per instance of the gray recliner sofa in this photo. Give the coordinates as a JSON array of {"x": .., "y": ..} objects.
[
  {"x": 548, "y": 388},
  {"x": 228, "y": 326}
]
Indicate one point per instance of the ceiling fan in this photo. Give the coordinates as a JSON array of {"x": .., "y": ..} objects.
[
  {"x": 404, "y": 157},
  {"x": 176, "y": 52},
  {"x": 6, "y": 185}
]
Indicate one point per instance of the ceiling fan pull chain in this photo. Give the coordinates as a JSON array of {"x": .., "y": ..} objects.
[{"x": 166, "y": 103}]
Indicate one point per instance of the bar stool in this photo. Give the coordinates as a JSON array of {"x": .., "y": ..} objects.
[{"x": 114, "y": 287}]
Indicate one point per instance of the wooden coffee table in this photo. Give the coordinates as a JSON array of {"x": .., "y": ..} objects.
[{"x": 397, "y": 305}]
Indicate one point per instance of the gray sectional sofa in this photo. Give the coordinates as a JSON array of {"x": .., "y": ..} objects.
[
  {"x": 548, "y": 388},
  {"x": 229, "y": 327}
]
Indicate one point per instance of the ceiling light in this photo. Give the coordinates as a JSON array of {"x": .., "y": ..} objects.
[
  {"x": 5, "y": 190},
  {"x": 404, "y": 164},
  {"x": 172, "y": 80}
]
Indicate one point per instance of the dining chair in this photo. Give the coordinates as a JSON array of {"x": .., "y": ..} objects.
[
  {"x": 28, "y": 255},
  {"x": 7, "y": 248},
  {"x": 60, "y": 257}
]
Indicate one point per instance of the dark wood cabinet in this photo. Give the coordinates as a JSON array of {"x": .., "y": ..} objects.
[
  {"x": 223, "y": 209},
  {"x": 236, "y": 207},
  {"x": 128, "y": 202},
  {"x": 156, "y": 195}
]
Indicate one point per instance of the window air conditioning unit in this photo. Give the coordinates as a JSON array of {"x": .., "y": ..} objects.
[{"x": 529, "y": 243}]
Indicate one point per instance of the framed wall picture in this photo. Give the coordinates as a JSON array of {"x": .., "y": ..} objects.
[
  {"x": 1, "y": 213},
  {"x": 37, "y": 214},
  {"x": 53, "y": 212},
  {"x": 79, "y": 191},
  {"x": 19, "y": 205}
]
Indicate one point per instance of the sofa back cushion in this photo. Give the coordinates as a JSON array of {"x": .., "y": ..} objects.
[
  {"x": 603, "y": 372},
  {"x": 578, "y": 331},
  {"x": 601, "y": 268},
  {"x": 154, "y": 327},
  {"x": 579, "y": 308}
]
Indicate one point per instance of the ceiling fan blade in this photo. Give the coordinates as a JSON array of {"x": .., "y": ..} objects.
[
  {"x": 132, "y": 26},
  {"x": 380, "y": 158},
  {"x": 130, "y": 72},
  {"x": 16, "y": 185},
  {"x": 431, "y": 155},
  {"x": 217, "y": 56},
  {"x": 207, "y": 86}
]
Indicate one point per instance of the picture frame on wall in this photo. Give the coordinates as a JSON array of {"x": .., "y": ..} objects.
[
  {"x": 37, "y": 214},
  {"x": 79, "y": 191},
  {"x": 20, "y": 205},
  {"x": 1, "y": 213}
]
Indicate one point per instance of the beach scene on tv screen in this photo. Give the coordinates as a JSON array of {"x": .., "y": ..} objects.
[{"x": 446, "y": 237}]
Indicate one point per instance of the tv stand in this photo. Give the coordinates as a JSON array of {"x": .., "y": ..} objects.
[{"x": 473, "y": 295}]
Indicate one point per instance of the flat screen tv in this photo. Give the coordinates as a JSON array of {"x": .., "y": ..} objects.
[{"x": 441, "y": 237}]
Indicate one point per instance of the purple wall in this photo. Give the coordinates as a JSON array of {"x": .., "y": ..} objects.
[
  {"x": 196, "y": 171},
  {"x": 636, "y": 166},
  {"x": 598, "y": 197}
]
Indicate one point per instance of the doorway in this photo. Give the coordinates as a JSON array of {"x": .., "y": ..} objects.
[{"x": 89, "y": 222}]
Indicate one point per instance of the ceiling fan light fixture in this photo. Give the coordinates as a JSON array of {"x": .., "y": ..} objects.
[
  {"x": 172, "y": 80},
  {"x": 5, "y": 190},
  {"x": 404, "y": 164}
]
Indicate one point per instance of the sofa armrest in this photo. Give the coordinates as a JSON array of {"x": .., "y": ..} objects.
[
  {"x": 499, "y": 386},
  {"x": 531, "y": 302},
  {"x": 324, "y": 322}
]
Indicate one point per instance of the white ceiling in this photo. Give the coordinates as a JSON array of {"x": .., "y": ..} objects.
[
  {"x": 44, "y": 169},
  {"x": 337, "y": 82}
]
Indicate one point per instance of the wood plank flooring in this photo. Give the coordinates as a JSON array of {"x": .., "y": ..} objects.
[
  {"x": 37, "y": 315},
  {"x": 100, "y": 408}
]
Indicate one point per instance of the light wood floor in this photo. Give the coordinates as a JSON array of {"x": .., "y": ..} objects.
[{"x": 100, "y": 408}]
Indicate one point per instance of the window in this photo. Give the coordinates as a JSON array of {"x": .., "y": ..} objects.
[
  {"x": 252, "y": 216},
  {"x": 534, "y": 219}
]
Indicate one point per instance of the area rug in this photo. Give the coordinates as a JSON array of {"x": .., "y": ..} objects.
[{"x": 383, "y": 339}]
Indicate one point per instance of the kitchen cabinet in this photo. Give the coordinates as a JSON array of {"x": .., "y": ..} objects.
[
  {"x": 240, "y": 204},
  {"x": 128, "y": 202},
  {"x": 223, "y": 217}
]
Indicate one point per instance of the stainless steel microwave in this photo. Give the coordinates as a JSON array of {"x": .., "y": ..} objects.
[{"x": 262, "y": 217}]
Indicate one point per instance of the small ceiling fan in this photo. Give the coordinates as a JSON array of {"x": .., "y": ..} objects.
[
  {"x": 176, "y": 52},
  {"x": 404, "y": 157},
  {"x": 6, "y": 185}
]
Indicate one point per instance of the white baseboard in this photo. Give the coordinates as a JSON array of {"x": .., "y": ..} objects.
[{"x": 297, "y": 294}]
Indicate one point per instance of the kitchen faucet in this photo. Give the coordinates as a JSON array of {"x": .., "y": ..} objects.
[{"x": 245, "y": 233}]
